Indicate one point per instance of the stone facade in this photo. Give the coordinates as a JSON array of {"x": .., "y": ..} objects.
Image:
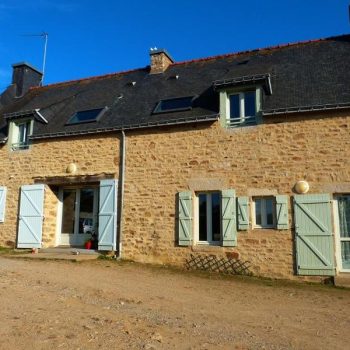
[
  {"x": 94, "y": 155},
  {"x": 266, "y": 159}
]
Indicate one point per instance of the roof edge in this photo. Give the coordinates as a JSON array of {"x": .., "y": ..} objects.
[{"x": 181, "y": 121}]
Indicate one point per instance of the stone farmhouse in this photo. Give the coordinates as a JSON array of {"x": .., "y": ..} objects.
[{"x": 241, "y": 156}]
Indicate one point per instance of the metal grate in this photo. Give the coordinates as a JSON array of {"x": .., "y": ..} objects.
[
  {"x": 240, "y": 122},
  {"x": 213, "y": 263}
]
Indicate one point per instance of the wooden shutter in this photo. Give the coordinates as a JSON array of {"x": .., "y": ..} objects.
[
  {"x": 243, "y": 213},
  {"x": 313, "y": 234},
  {"x": 282, "y": 212},
  {"x": 2, "y": 203},
  {"x": 184, "y": 219},
  {"x": 228, "y": 218},
  {"x": 107, "y": 224},
  {"x": 31, "y": 215}
]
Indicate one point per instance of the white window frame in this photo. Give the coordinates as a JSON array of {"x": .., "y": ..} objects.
[
  {"x": 338, "y": 239},
  {"x": 264, "y": 224},
  {"x": 14, "y": 133},
  {"x": 209, "y": 219}
]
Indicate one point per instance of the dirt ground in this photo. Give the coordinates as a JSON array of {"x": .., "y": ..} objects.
[{"x": 108, "y": 305}]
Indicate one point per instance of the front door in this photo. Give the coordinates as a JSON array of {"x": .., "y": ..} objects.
[
  {"x": 79, "y": 215},
  {"x": 343, "y": 228}
]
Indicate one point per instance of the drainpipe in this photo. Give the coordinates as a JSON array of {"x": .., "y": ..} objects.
[{"x": 121, "y": 193}]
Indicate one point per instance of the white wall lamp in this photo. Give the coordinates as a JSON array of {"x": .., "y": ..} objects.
[{"x": 301, "y": 187}]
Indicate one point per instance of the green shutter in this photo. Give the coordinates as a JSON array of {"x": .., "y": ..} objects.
[
  {"x": 228, "y": 218},
  {"x": 314, "y": 235},
  {"x": 2, "y": 203},
  {"x": 243, "y": 213},
  {"x": 184, "y": 222},
  {"x": 282, "y": 212},
  {"x": 107, "y": 216}
]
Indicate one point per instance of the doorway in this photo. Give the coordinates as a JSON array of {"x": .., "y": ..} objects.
[
  {"x": 79, "y": 215},
  {"x": 343, "y": 231}
]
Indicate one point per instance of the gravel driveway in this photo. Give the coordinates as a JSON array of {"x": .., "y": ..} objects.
[{"x": 109, "y": 305}]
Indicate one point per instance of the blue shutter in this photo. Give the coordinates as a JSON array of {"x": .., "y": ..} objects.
[
  {"x": 184, "y": 220},
  {"x": 282, "y": 212},
  {"x": 243, "y": 213},
  {"x": 2, "y": 203},
  {"x": 31, "y": 214},
  {"x": 314, "y": 235},
  {"x": 228, "y": 218},
  {"x": 107, "y": 225}
]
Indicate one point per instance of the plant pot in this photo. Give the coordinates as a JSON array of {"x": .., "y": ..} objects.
[{"x": 88, "y": 244}]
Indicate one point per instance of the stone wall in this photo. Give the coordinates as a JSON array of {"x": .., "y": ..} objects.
[
  {"x": 257, "y": 160},
  {"x": 94, "y": 155}
]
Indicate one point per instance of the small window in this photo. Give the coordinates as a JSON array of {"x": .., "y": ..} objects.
[
  {"x": 87, "y": 116},
  {"x": 209, "y": 217},
  {"x": 242, "y": 108},
  {"x": 20, "y": 135},
  {"x": 174, "y": 104},
  {"x": 264, "y": 212}
]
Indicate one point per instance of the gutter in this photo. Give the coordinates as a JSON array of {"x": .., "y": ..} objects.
[{"x": 121, "y": 193}]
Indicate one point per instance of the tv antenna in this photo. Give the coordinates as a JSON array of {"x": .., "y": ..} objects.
[{"x": 45, "y": 36}]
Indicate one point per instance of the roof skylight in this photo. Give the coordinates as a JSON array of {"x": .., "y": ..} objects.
[
  {"x": 174, "y": 104},
  {"x": 91, "y": 115}
]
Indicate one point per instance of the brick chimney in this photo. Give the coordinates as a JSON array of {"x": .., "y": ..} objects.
[
  {"x": 25, "y": 76},
  {"x": 160, "y": 60}
]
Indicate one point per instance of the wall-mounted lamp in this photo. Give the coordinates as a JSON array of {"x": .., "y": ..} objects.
[
  {"x": 71, "y": 168},
  {"x": 301, "y": 187}
]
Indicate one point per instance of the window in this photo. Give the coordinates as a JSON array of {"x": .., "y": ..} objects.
[
  {"x": 209, "y": 217},
  {"x": 242, "y": 108},
  {"x": 264, "y": 210},
  {"x": 174, "y": 104},
  {"x": 20, "y": 133},
  {"x": 91, "y": 115}
]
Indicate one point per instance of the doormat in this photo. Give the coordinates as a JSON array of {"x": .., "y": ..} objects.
[{"x": 212, "y": 263}]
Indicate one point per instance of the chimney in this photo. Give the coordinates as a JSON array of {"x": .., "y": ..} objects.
[
  {"x": 25, "y": 76},
  {"x": 160, "y": 60}
]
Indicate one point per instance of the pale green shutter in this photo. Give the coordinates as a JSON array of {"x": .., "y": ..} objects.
[
  {"x": 314, "y": 234},
  {"x": 282, "y": 212},
  {"x": 228, "y": 218},
  {"x": 184, "y": 219},
  {"x": 31, "y": 215},
  {"x": 107, "y": 224},
  {"x": 2, "y": 203},
  {"x": 243, "y": 213}
]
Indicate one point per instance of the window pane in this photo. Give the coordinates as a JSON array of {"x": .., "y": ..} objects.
[
  {"x": 68, "y": 213},
  {"x": 215, "y": 223},
  {"x": 86, "y": 212},
  {"x": 85, "y": 116},
  {"x": 202, "y": 210},
  {"x": 249, "y": 104},
  {"x": 258, "y": 211},
  {"x": 174, "y": 103},
  {"x": 345, "y": 254},
  {"x": 234, "y": 106},
  {"x": 269, "y": 211},
  {"x": 344, "y": 216}
]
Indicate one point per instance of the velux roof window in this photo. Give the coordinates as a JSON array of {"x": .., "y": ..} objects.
[
  {"x": 174, "y": 104},
  {"x": 91, "y": 115}
]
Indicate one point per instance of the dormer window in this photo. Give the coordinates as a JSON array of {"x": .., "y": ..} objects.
[
  {"x": 20, "y": 132},
  {"x": 242, "y": 108}
]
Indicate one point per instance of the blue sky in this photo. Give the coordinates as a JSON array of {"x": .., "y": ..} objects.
[{"x": 89, "y": 38}]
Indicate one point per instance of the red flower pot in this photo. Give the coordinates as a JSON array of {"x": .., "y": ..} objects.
[{"x": 88, "y": 245}]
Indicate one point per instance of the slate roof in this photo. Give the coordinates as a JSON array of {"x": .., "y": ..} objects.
[{"x": 303, "y": 75}]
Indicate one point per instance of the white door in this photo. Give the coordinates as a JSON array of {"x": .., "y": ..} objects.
[
  {"x": 79, "y": 215},
  {"x": 343, "y": 234}
]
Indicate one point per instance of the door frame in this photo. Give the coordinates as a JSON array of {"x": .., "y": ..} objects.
[
  {"x": 337, "y": 233},
  {"x": 59, "y": 215}
]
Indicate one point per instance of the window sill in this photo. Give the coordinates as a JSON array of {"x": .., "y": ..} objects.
[{"x": 206, "y": 248}]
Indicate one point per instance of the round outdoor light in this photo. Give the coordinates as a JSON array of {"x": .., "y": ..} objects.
[
  {"x": 71, "y": 168},
  {"x": 301, "y": 187}
]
